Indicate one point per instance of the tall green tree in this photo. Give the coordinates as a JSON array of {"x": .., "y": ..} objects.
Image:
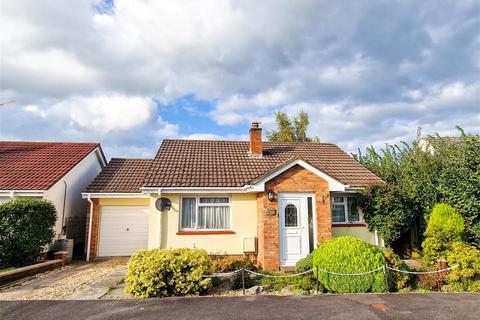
[{"x": 291, "y": 129}]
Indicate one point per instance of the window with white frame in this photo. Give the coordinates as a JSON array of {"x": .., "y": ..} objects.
[
  {"x": 205, "y": 213},
  {"x": 344, "y": 210}
]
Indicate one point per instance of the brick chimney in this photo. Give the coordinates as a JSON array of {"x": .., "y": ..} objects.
[{"x": 255, "y": 140}]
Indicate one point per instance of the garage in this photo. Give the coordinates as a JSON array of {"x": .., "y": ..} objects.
[{"x": 123, "y": 230}]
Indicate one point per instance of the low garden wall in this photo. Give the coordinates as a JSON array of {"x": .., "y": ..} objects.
[{"x": 19, "y": 273}]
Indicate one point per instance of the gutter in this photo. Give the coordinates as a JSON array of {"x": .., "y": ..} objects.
[{"x": 90, "y": 219}]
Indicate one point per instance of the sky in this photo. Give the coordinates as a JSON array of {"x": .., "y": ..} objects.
[{"x": 128, "y": 74}]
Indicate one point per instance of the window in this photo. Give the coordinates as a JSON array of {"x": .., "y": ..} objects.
[
  {"x": 205, "y": 213},
  {"x": 344, "y": 210},
  {"x": 291, "y": 216}
]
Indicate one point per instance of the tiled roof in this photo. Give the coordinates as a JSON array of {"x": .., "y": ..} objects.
[
  {"x": 121, "y": 176},
  {"x": 195, "y": 163},
  {"x": 38, "y": 165}
]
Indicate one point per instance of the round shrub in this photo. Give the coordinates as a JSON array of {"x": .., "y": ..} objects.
[
  {"x": 168, "y": 272},
  {"x": 304, "y": 264},
  {"x": 445, "y": 226},
  {"x": 349, "y": 255},
  {"x": 26, "y": 227}
]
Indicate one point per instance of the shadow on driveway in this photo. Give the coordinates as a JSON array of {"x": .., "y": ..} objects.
[{"x": 351, "y": 306}]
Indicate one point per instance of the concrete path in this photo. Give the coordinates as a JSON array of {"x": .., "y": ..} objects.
[{"x": 351, "y": 306}]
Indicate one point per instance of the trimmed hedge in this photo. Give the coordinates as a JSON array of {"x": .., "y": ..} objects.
[
  {"x": 349, "y": 255},
  {"x": 26, "y": 227},
  {"x": 168, "y": 272}
]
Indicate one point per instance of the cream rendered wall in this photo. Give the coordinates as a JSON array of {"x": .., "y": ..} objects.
[
  {"x": 359, "y": 232},
  {"x": 243, "y": 223},
  {"x": 77, "y": 180}
]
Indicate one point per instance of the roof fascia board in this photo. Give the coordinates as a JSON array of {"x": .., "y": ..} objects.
[
  {"x": 148, "y": 190},
  {"x": 333, "y": 184},
  {"x": 113, "y": 195}
]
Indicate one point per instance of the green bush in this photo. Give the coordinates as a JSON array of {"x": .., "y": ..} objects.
[
  {"x": 26, "y": 227},
  {"x": 304, "y": 264},
  {"x": 445, "y": 226},
  {"x": 468, "y": 271},
  {"x": 168, "y": 272},
  {"x": 304, "y": 283},
  {"x": 349, "y": 255},
  {"x": 397, "y": 281},
  {"x": 225, "y": 263}
]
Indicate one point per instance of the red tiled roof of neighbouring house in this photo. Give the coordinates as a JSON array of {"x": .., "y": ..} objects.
[
  {"x": 121, "y": 176},
  {"x": 38, "y": 165},
  {"x": 198, "y": 163}
]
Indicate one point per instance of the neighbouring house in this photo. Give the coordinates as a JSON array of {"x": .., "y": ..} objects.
[
  {"x": 55, "y": 171},
  {"x": 272, "y": 201}
]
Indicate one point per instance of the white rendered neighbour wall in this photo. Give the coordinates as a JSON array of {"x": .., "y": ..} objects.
[{"x": 77, "y": 180}]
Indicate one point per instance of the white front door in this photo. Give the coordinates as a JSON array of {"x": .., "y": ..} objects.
[{"x": 293, "y": 228}]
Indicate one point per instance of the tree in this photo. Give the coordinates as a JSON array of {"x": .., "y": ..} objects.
[
  {"x": 417, "y": 178},
  {"x": 291, "y": 130}
]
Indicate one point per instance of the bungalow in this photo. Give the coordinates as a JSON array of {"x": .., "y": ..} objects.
[
  {"x": 274, "y": 201},
  {"x": 54, "y": 171}
]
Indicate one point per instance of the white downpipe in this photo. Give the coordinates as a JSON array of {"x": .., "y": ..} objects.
[
  {"x": 90, "y": 219},
  {"x": 159, "y": 222},
  {"x": 376, "y": 238}
]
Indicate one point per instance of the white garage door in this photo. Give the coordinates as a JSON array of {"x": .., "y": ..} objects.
[{"x": 123, "y": 230}]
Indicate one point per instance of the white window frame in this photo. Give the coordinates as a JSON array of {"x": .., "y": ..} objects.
[
  {"x": 198, "y": 204},
  {"x": 345, "y": 206}
]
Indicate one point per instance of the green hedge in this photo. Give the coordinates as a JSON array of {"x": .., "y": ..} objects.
[
  {"x": 349, "y": 255},
  {"x": 168, "y": 272},
  {"x": 26, "y": 228}
]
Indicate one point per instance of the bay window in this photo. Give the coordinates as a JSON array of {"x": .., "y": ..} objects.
[
  {"x": 205, "y": 213},
  {"x": 344, "y": 210}
]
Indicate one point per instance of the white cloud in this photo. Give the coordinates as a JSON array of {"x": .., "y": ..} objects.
[{"x": 108, "y": 113}]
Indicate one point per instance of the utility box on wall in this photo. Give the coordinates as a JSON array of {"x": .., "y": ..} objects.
[{"x": 249, "y": 245}]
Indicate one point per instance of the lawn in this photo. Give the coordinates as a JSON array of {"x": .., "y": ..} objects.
[{"x": 6, "y": 269}]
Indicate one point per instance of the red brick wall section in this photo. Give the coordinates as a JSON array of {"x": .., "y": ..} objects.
[
  {"x": 295, "y": 179},
  {"x": 95, "y": 230}
]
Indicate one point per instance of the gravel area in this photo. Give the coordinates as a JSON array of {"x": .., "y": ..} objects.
[{"x": 65, "y": 283}]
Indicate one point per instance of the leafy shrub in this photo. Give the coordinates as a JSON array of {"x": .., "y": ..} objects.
[
  {"x": 304, "y": 283},
  {"x": 304, "y": 264},
  {"x": 168, "y": 272},
  {"x": 431, "y": 281},
  {"x": 225, "y": 263},
  {"x": 26, "y": 227},
  {"x": 468, "y": 271},
  {"x": 397, "y": 281},
  {"x": 349, "y": 255},
  {"x": 444, "y": 227}
]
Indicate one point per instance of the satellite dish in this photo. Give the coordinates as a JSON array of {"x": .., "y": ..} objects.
[{"x": 163, "y": 204}]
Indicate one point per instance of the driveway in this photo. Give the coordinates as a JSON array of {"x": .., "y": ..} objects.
[
  {"x": 77, "y": 281},
  {"x": 351, "y": 306}
]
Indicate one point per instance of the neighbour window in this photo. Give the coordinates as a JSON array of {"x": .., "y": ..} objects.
[
  {"x": 205, "y": 213},
  {"x": 344, "y": 210}
]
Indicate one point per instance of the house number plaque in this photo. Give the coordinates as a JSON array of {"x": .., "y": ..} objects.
[{"x": 270, "y": 211}]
